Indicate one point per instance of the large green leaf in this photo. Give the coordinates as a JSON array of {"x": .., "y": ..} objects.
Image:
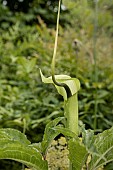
[
  {"x": 15, "y": 146},
  {"x": 72, "y": 83},
  {"x": 77, "y": 154},
  {"x": 104, "y": 148}
]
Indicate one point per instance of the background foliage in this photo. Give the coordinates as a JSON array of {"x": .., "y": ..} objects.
[{"x": 27, "y": 35}]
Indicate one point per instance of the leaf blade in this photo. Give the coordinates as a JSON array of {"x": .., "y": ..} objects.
[
  {"x": 104, "y": 147},
  {"x": 13, "y": 146},
  {"x": 50, "y": 134},
  {"x": 77, "y": 154}
]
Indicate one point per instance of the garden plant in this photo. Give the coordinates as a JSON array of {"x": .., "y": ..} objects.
[{"x": 87, "y": 150}]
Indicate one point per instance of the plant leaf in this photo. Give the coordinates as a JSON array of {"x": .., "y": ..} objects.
[
  {"x": 104, "y": 147},
  {"x": 15, "y": 135},
  {"x": 77, "y": 154},
  {"x": 73, "y": 84},
  {"x": 64, "y": 131},
  {"x": 50, "y": 133},
  {"x": 88, "y": 139},
  {"x": 15, "y": 146}
]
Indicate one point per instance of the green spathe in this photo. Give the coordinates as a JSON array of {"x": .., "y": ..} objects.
[
  {"x": 73, "y": 84},
  {"x": 71, "y": 103}
]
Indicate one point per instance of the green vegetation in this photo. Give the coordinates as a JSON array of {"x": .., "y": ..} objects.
[{"x": 26, "y": 44}]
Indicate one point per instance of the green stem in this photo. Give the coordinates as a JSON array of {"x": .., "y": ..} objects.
[
  {"x": 71, "y": 113},
  {"x": 95, "y": 63}
]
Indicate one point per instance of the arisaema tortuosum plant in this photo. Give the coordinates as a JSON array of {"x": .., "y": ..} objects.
[
  {"x": 91, "y": 153},
  {"x": 67, "y": 87}
]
